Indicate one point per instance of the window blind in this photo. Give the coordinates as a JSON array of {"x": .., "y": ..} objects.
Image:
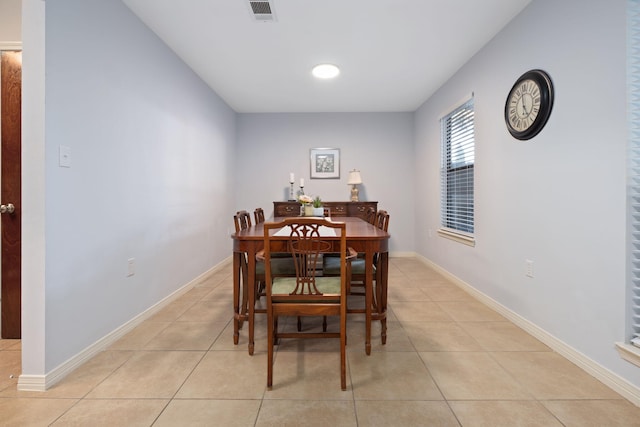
[
  {"x": 458, "y": 157},
  {"x": 633, "y": 187}
]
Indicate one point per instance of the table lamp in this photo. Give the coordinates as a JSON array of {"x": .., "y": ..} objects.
[{"x": 354, "y": 179}]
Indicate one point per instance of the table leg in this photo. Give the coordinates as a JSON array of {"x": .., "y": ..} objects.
[
  {"x": 251, "y": 287},
  {"x": 368, "y": 299},
  {"x": 237, "y": 316},
  {"x": 245, "y": 289},
  {"x": 382, "y": 273}
]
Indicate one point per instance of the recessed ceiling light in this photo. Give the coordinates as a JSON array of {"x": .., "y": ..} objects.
[{"x": 325, "y": 71}]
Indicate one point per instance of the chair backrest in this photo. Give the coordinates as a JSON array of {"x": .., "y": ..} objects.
[
  {"x": 306, "y": 238},
  {"x": 371, "y": 216},
  {"x": 258, "y": 215},
  {"x": 382, "y": 220},
  {"x": 242, "y": 220}
]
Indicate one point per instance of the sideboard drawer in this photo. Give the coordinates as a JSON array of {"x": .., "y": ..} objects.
[
  {"x": 286, "y": 209},
  {"x": 360, "y": 209},
  {"x": 337, "y": 208}
]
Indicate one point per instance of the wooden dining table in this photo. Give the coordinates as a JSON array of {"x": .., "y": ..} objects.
[{"x": 361, "y": 236}]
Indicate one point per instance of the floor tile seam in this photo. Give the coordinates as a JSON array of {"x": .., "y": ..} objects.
[
  {"x": 133, "y": 353},
  {"x": 433, "y": 379},
  {"x": 413, "y": 346},
  {"x": 455, "y": 415},
  {"x": 480, "y": 343},
  {"x": 492, "y": 355},
  {"x": 164, "y": 408},
  {"x": 508, "y": 322},
  {"x": 350, "y": 380},
  {"x": 220, "y": 399},
  {"x": 302, "y": 399},
  {"x": 167, "y": 324},
  {"x": 146, "y": 350},
  {"x": 220, "y": 334},
  {"x": 547, "y": 410},
  {"x": 180, "y": 322},
  {"x": 255, "y": 420},
  {"x": 377, "y": 399},
  {"x": 65, "y": 412},
  {"x": 117, "y": 368},
  {"x": 36, "y": 397},
  {"x": 177, "y": 323},
  {"x": 538, "y": 401},
  {"x": 588, "y": 399},
  {"x": 184, "y": 381}
]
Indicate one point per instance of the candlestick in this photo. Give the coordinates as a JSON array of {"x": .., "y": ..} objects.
[{"x": 291, "y": 199}]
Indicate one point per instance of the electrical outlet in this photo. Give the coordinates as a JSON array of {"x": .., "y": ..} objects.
[
  {"x": 131, "y": 267},
  {"x": 528, "y": 268}
]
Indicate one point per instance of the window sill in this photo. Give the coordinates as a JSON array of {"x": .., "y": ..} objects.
[
  {"x": 629, "y": 352},
  {"x": 465, "y": 239}
]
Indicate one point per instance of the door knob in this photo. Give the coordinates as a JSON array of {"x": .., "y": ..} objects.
[{"x": 8, "y": 208}]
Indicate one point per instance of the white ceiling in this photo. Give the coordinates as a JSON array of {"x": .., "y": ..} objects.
[{"x": 393, "y": 54}]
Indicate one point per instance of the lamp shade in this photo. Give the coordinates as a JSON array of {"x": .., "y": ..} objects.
[{"x": 354, "y": 177}]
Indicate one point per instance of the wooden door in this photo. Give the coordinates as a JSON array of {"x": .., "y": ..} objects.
[{"x": 10, "y": 191}]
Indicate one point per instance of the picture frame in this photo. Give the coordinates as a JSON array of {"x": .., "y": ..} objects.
[{"x": 325, "y": 163}]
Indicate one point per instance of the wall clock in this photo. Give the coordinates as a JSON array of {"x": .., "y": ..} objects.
[{"x": 529, "y": 104}]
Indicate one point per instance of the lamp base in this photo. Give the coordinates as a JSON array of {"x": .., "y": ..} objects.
[{"x": 354, "y": 194}]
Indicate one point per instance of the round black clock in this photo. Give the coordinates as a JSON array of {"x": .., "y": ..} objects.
[{"x": 529, "y": 104}]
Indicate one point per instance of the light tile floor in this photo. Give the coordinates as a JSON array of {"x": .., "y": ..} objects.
[{"x": 448, "y": 361}]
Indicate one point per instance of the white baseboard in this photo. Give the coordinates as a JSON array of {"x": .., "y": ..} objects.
[
  {"x": 612, "y": 380},
  {"x": 44, "y": 382},
  {"x": 402, "y": 254},
  {"x": 11, "y": 45}
]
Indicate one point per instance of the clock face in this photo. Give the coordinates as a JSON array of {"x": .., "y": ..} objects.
[
  {"x": 524, "y": 105},
  {"x": 529, "y": 104}
]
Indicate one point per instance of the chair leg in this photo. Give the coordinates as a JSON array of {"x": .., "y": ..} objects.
[
  {"x": 270, "y": 353},
  {"x": 343, "y": 352},
  {"x": 258, "y": 289},
  {"x": 324, "y": 324},
  {"x": 245, "y": 290},
  {"x": 299, "y": 323}
]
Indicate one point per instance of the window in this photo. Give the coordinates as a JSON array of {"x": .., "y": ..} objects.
[
  {"x": 630, "y": 348},
  {"x": 458, "y": 153}
]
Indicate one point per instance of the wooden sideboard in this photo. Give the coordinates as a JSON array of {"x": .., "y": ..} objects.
[{"x": 358, "y": 209}]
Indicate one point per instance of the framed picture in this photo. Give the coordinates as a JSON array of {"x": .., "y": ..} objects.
[{"x": 325, "y": 163}]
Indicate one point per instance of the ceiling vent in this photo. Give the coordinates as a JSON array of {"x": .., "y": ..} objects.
[{"x": 262, "y": 10}]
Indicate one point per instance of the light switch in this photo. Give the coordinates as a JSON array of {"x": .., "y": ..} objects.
[{"x": 65, "y": 156}]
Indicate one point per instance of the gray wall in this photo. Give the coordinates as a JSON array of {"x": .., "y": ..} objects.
[
  {"x": 380, "y": 145},
  {"x": 558, "y": 199},
  {"x": 152, "y": 149}
]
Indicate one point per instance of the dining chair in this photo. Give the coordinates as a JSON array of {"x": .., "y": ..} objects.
[
  {"x": 308, "y": 293},
  {"x": 356, "y": 284},
  {"x": 281, "y": 267},
  {"x": 242, "y": 221},
  {"x": 370, "y": 216},
  {"x": 258, "y": 215},
  {"x": 382, "y": 220}
]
